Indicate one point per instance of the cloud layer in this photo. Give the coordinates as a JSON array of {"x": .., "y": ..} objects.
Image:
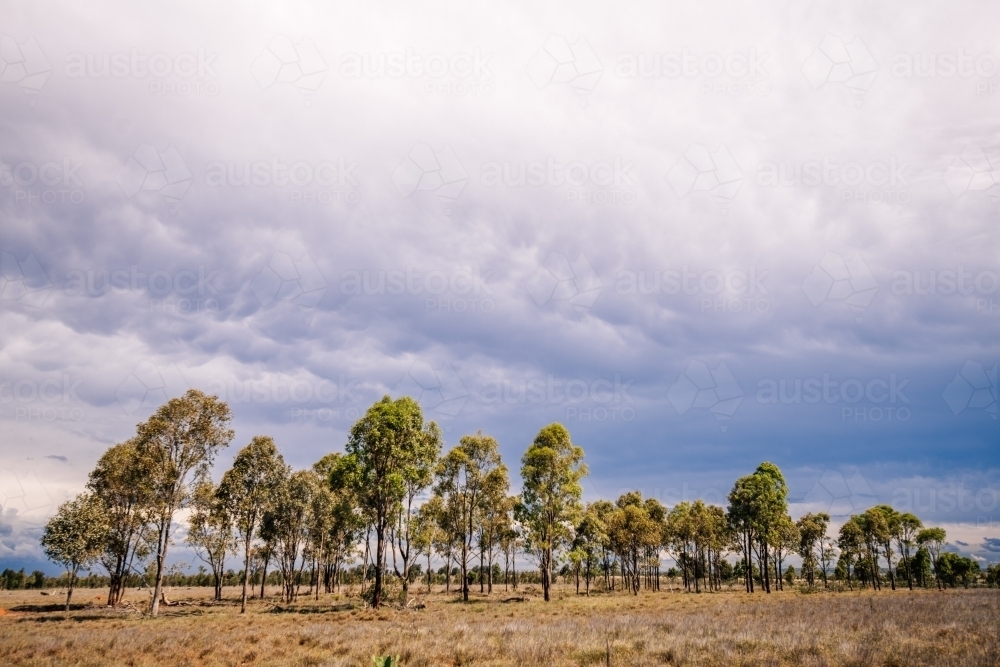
[{"x": 700, "y": 236}]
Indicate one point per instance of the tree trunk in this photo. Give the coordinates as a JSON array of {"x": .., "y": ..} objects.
[
  {"x": 72, "y": 581},
  {"x": 546, "y": 573},
  {"x": 161, "y": 557},
  {"x": 379, "y": 557}
]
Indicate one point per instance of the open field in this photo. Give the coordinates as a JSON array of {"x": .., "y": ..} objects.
[{"x": 954, "y": 628}]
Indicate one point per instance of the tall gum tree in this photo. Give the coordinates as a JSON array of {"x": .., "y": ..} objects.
[
  {"x": 246, "y": 490},
  {"x": 181, "y": 439},
  {"x": 551, "y": 470},
  {"x": 385, "y": 449}
]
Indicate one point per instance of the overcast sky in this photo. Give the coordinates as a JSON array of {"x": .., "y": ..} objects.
[{"x": 701, "y": 236}]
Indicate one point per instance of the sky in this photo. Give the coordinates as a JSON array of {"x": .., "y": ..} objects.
[{"x": 701, "y": 236}]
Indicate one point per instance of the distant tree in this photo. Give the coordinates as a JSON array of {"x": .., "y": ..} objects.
[
  {"x": 757, "y": 504},
  {"x": 851, "y": 544},
  {"x": 385, "y": 447},
  {"x": 463, "y": 478},
  {"x": 904, "y": 531},
  {"x": 589, "y": 535},
  {"x": 784, "y": 539},
  {"x": 933, "y": 539},
  {"x": 246, "y": 490},
  {"x": 993, "y": 575},
  {"x": 286, "y": 525},
  {"x": 632, "y": 532},
  {"x": 123, "y": 481},
  {"x": 417, "y": 476},
  {"x": 812, "y": 531},
  {"x": 76, "y": 536},
  {"x": 210, "y": 530},
  {"x": 955, "y": 568},
  {"x": 551, "y": 470},
  {"x": 181, "y": 439}
]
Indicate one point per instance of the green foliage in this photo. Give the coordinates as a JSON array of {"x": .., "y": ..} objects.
[
  {"x": 385, "y": 660},
  {"x": 551, "y": 468}
]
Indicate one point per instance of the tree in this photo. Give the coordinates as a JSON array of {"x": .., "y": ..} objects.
[
  {"x": 75, "y": 537},
  {"x": 465, "y": 475},
  {"x": 757, "y": 504},
  {"x": 551, "y": 468},
  {"x": 246, "y": 490},
  {"x": 210, "y": 530},
  {"x": 417, "y": 475},
  {"x": 784, "y": 539},
  {"x": 285, "y": 525},
  {"x": 122, "y": 480},
  {"x": 385, "y": 447},
  {"x": 905, "y": 532},
  {"x": 812, "y": 532},
  {"x": 933, "y": 539},
  {"x": 632, "y": 532},
  {"x": 589, "y": 536},
  {"x": 181, "y": 439}
]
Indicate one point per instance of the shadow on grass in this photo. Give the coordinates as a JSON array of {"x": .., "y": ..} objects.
[{"x": 312, "y": 609}]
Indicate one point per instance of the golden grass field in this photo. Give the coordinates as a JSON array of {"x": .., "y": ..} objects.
[{"x": 953, "y": 628}]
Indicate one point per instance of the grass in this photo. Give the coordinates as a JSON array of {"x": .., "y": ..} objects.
[{"x": 956, "y": 628}]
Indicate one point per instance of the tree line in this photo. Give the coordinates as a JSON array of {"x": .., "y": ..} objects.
[{"x": 394, "y": 500}]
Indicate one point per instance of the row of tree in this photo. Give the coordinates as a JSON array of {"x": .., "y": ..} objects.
[{"x": 392, "y": 499}]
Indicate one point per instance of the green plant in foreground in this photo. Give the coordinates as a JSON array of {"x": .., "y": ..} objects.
[{"x": 385, "y": 660}]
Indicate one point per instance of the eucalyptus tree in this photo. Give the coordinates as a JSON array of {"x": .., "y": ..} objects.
[
  {"x": 601, "y": 510},
  {"x": 850, "y": 541},
  {"x": 285, "y": 525},
  {"x": 933, "y": 539},
  {"x": 784, "y": 539},
  {"x": 387, "y": 449},
  {"x": 812, "y": 533},
  {"x": 75, "y": 536},
  {"x": 632, "y": 532},
  {"x": 757, "y": 504},
  {"x": 122, "y": 480},
  {"x": 495, "y": 519},
  {"x": 588, "y": 536},
  {"x": 349, "y": 521},
  {"x": 210, "y": 530},
  {"x": 247, "y": 489},
  {"x": 469, "y": 476},
  {"x": 906, "y": 528},
  {"x": 416, "y": 478},
  {"x": 889, "y": 528},
  {"x": 181, "y": 440},
  {"x": 427, "y": 531},
  {"x": 551, "y": 470}
]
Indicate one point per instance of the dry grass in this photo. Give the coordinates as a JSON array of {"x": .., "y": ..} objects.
[{"x": 954, "y": 628}]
